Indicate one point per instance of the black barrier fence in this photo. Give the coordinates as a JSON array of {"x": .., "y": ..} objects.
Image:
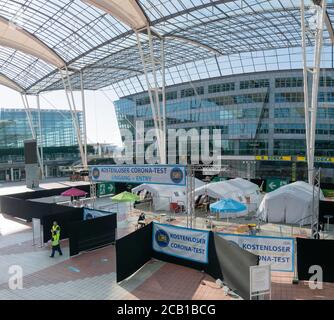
[
  {"x": 19, "y": 206},
  {"x": 64, "y": 216},
  {"x": 326, "y": 208},
  {"x": 23, "y": 209},
  {"x": 49, "y": 192},
  {"x": 311, "y": 252},
  {"x": 133, "y": 251},
  {"x": 92, "y": 233},
  {"x": 225, "y": 261}
]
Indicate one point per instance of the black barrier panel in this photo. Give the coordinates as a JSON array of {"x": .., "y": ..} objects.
[
  {"x": 92, "y": 234},
  {"x": 311, "y": 252},
  {"x": 133, "y": 251},
  {"x": 234, "y": 264},
  {"x": 213, "y": 267},
  {"x": 329, "y": 186},
  {"x": 326, "y": 208},
  {"x": 63, "y": 215},
  {"x": 122, "y": 186},
  {"x": 260, "y": 182},
  {"x": 227, "y": 262},
  {"x": 48, "y": 192},
  {"x": 23, "y": 209},
  {"x": 47, "y": 212}
]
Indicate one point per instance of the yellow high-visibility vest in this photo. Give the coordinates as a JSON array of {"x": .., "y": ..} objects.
[{"x": 55, "y": 235}]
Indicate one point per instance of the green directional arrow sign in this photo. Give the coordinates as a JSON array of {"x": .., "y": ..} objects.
[
  {"x": 105, "y": 188},
  {"x": 275, "y": 183}
]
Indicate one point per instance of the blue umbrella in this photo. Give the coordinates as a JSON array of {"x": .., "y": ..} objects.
[{"x": 228, "y": 206}]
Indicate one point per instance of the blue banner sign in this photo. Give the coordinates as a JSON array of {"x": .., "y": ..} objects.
[
  {"x": 278, "y": 252},
  {"x": 181, "y": 242},
  {"x": 150, "y": 174}
]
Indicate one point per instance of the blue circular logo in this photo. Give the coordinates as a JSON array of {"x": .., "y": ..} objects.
[
  {"x": 96, "y": 173},
  {"x": 176, "y": 175},
  {"x": 162, "y": 238}
]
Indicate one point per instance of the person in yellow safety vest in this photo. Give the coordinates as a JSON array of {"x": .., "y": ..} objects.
[{"x": 55, "y": 237}]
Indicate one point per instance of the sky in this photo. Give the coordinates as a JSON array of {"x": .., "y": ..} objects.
[{"x": 102, "y": 124}]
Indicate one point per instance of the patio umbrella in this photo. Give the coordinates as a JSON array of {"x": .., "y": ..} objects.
[
  {"x": 74, "y": 192},
  {"x": 125, "y": 197},
  {"x": 124, "y": 202},
  {"x": 228, "y": 208}
]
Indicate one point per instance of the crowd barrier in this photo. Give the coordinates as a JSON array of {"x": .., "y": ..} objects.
[
  {"x": 64, "y": 216},
  {"x": 198, "y": 249},
  {"x": 92, "y": 233},
  {"x": 19, "y": 206},
  {"x": 133, "y": 251},
  {"x": 312, "y": 252},
  {"x": 326, "y": 208}
]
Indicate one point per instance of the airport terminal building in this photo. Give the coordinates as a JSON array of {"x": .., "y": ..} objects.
[
  {"x": 260, "y": 115},
  {"x": 59, "y": 140}
]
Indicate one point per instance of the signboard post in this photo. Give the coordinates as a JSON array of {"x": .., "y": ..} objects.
[
  {"x": 275, "y": 183},
  {"x": 260, "y": 281}
]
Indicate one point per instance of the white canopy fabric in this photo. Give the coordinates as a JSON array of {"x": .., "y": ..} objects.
[
  {"x": 291, "y": 204},
  {"x": 127, "y": 11},
  {"x": 163, "y": 194},
  {"x": 5, "y": 81},
  {"x": 237, "y": 189},
  {"x": 12, "y": 36}
]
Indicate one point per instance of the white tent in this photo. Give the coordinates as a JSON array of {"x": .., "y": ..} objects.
[
  {"x": 292, "y": 204},
  {"x": 238, "y": 189},
  {"x": 163, "y": 195}
]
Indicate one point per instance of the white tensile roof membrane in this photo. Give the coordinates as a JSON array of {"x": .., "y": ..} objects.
[
  {"x": 127, "y": 11},
  {"x": 14, "y": 37},
  {"x": 5, "y": 81}
]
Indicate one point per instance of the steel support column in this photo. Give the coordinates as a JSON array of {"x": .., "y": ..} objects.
[
  {"x": 85, "y": 164},
  {"x": 311, "y": 112},
  {"x": 151, "y": 61},
  {"x": 40, "y": 135},
  {"x": 71, "y": 104}
]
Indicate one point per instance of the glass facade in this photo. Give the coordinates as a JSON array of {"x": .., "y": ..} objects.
[
  {"x": 58, "y": 133},
  {"x": 258, "y": 114}
]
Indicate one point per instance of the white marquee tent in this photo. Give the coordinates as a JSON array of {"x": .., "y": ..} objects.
[
  {"x": 238, "y": 189},
  {"x": 163, "y": 195},
  {"x": 292, "y": 204}
]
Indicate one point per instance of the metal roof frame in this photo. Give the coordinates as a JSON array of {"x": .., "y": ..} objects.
[{"x": 203, "y": 38}]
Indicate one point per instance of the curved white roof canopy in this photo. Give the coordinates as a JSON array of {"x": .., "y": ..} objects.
[
  {"x": 12, "y": 36},
  {"x": 127, "y": 11},
  {"x": 5, "y": 81}
]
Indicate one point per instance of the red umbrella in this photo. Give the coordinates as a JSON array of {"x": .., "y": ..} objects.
[{"x": 73, "y": 192}]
